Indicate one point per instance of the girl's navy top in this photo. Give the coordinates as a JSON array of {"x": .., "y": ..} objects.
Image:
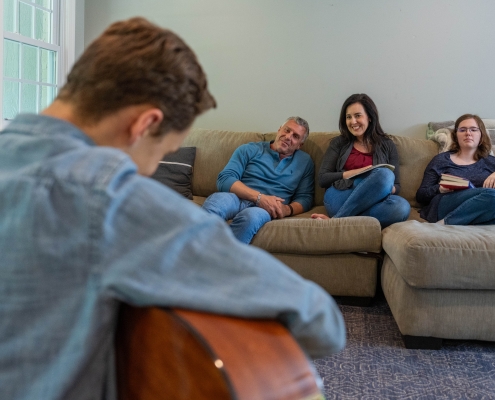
[{"x": 429, "y": 194}]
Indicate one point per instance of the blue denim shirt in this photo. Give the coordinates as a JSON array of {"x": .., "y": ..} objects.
[{"x": 81, "y": 232}]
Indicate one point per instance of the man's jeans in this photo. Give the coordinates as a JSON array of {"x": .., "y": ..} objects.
[
  {"x": 246, "y": 217},
  {"x": 468, "y": 207},
  {"x": 369, "y": 196}
]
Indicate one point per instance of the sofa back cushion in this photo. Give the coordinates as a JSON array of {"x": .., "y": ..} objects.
[
  {"x": 213, "y": 150},
  {"x": 414, "y": 156}
]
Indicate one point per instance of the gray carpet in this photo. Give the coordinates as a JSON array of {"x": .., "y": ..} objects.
[{"x": 375, "y": 365}]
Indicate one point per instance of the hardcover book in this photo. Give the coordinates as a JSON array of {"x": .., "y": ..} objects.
[{"x": 453, "y": 182}]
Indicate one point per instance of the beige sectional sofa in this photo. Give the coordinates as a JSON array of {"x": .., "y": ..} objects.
[{"x": 438, "y": 280}]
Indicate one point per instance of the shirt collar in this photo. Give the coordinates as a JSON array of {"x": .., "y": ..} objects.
[{"x": 43, "y": 125}]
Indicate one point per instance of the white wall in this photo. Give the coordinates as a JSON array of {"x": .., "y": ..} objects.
[
  {"x": 420, "y": 61},
  {"x": 79, "y": 28}
]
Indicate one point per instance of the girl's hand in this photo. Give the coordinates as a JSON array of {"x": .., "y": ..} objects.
[
  {"x": 490, "y": 181},
  {"x": 444, "y": 190}
]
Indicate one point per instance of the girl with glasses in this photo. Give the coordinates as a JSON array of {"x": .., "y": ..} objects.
[
  {"x": 362, "y": 143},
  {"x": 469, "y": 158}
]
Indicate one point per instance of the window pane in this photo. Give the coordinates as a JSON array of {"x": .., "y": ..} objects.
[
  {"x": 11, "y": 59},
  {"x": 28, "y": 98},
  {"x": 25, "y": 19},
  {"x": 42, "y": 26},
  {"x": 29, "y": 62},
  {"x": 10, "y": 99},
  {"x": 44, "y": 3},
  {"x": 9, "y": 15},
  {"x": 47, "y": 96},
  {"x": 48, "y": 66}
]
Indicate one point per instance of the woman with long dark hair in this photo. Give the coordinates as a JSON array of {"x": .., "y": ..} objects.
[
  {"x": 469, "y": 158},
  {"x": 362, "y": 143}
]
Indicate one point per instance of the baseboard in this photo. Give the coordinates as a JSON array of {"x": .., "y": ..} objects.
[
  {"x": 422, "y": 342},
  {"x": 354, "y": 301}
]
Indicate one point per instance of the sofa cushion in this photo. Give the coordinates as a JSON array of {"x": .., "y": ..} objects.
[
  {"x": 433, "y": 256},
  {"x": 303, "y": 235},
  {"x": 176, "y": 171},
  {"x": 414, "y": 156}
]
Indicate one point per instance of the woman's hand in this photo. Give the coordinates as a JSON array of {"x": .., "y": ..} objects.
[
  {"x": 393, "y": 189},
  {"x": 352, "y": 172},
  {"x": 490, "y": 181}
]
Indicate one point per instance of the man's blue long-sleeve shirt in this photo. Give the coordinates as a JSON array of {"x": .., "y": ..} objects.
[
  {"x": 81, "y": 232},
  {"x": 260, "y": 168}
]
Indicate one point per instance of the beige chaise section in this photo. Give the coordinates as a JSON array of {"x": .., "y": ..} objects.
[{"x": 438, "y": 280}]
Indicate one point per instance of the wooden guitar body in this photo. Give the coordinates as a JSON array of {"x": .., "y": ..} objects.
[{"x": 179, "y": 355}]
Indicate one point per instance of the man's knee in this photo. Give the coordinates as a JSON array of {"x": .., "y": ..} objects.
[
  {"x": 248, "y": 222},
  {"x": 220, "y": 203},
  {"x": 256, "y": 216}
]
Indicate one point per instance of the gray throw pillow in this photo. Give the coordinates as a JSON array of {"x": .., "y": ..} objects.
[{"x": 176, "y": 169}]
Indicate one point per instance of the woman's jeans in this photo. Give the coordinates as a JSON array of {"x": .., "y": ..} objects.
[
  {"x": 468, "y": 207},
  {"x": 247, "y": 218},
  {"x": 369, "y": 196}
]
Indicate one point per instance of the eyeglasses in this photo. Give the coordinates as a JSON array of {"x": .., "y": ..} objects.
[{"x": 472, "y": 129}]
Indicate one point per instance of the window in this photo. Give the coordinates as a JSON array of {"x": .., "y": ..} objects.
[{"x": 32, "y": 57}]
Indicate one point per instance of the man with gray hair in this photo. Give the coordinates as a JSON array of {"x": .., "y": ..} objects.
[{"x": 265, "y": 180}]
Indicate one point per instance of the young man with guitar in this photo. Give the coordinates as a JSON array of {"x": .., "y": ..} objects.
[{"x": 83, "y": 229}]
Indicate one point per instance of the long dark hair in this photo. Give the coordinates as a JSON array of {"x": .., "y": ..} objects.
[
  {"x": 374, "y": 134},
  {"x": 484, "y": 146}
]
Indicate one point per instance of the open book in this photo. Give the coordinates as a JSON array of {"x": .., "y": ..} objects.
[
  {"x": 371, "y": 167},
  {"x": 454, "y": 182}
]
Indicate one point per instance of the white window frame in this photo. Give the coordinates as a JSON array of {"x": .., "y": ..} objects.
[{"x": 66, "y": 47}]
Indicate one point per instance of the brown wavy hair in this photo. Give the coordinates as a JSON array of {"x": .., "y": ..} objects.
[
  {"x": 485, "y": 145},
  {"x": 135, "y": 62}
]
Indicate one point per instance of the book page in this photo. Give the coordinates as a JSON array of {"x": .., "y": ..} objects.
[
  {"x": 389, "y": 166},
  {"x": 453, "y": 178}
]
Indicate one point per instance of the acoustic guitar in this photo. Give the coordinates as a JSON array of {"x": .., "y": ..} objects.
[{"x": 187, "y": 355}]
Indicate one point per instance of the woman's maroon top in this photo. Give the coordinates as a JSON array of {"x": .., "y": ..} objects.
[{"x": 358, "y": 160}]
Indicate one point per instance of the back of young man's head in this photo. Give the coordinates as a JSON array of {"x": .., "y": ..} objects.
[{"x": 136, "y": 62}]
